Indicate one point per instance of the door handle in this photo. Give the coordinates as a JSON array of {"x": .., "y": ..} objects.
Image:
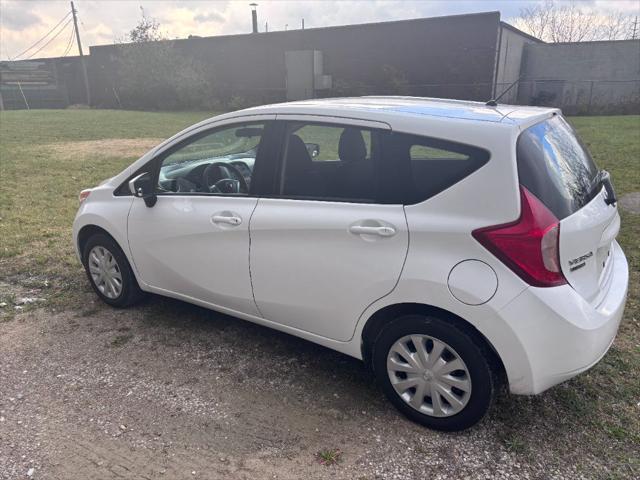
[
  {"x": 226, "y": 219},
  {"x": 381, "y": 231}
]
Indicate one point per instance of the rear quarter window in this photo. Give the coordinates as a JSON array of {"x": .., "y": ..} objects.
[
  {"x": 424, "y": 166},
  {"x": 556, "y": 167}
]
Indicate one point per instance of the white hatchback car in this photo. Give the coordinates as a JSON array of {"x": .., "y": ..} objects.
[{"x": 448, "y": 244}]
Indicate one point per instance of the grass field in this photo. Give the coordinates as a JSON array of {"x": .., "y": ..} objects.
[{"x": 47, "y": 157}]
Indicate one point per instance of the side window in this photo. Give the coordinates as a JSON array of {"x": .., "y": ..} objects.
[
  {"x": 423, "y": 152},
  {"x": 323, "y": 141},
  {"x": 327, "y": 161},
  {"x": 218, "y": 162},
  {"x": 426, "y": 166}
]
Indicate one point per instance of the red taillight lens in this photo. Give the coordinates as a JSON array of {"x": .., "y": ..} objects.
[
  {"x": 83, "y": 195},
  {"x": 530, "y": 245}
]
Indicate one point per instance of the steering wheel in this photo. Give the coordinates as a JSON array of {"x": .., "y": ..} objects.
[
  {"x": 240, "y": 164},
  {"x": 224, "y": 185}
]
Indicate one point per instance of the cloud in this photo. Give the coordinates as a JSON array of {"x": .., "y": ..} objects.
[
  {"x": 209, "y": 17},
  {"x": 631, "y": 7},
  {"x": 104, "y": 21},
  {"x": 16, "y": 18}
]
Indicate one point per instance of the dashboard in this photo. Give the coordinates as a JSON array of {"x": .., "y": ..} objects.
[{"x": 189, "y": 176}]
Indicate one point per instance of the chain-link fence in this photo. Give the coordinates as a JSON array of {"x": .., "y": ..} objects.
[
  {"x": 582, "y": 97},
  {"x": 574, "y": 97},
  {"x": 18, "y": 97}
]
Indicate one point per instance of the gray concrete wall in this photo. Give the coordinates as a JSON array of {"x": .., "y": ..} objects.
[
  {"x": 512, "y": 43},
  {"x": 587, "y": 77},
  {"x": 448, "y": 57}
]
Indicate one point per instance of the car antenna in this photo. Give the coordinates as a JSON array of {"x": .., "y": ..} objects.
[{"x": 494, "y": 101}]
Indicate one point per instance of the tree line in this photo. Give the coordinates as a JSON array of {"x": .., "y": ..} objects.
[{"x": 572, "y": 22}]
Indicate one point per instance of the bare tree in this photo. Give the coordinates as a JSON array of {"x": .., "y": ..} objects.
[
  {"x": 568, "y": 22},
  {"x": 536, "y": 20},
  {"x": 616, "y": 26}
]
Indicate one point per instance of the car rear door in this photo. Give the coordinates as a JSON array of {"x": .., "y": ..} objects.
[
  {"x": 556, "y": 167},
  {"x": 324, "y": 247},
  {"x": 586, "y": 242}
]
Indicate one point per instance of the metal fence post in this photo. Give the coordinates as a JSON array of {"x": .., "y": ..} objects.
[{"x": 23, "y": 97}]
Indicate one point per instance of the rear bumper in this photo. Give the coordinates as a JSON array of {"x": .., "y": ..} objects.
[{"x": 560, "y": 333}]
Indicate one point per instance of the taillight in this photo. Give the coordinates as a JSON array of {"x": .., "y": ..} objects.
[
  {"x": 83, "y": 195},
  {"x": 530, "y": 245}
]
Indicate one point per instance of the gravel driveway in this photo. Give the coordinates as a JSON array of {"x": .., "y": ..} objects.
[{"x": 169, "y": 390}]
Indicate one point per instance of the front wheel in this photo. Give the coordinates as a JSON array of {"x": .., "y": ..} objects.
[
  {"x": 435, "y": 373},
  {"x": 109, "y": 271}
]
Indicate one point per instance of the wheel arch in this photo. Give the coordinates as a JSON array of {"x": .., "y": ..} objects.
[
  {"x": 132, "y": 292},
  {"x": 89, "y": 230},
  {"x": 378, "y": 320}
]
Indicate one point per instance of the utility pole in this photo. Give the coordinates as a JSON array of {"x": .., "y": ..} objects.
[
  {"x": 82, "y": 61},
  {"x": 635, "y": 29}
]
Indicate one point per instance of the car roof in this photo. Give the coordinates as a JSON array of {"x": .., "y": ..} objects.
[{"x": 411, "y": 106}]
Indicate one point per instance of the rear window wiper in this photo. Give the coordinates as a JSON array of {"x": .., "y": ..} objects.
[{"x": 604, "y": 178}]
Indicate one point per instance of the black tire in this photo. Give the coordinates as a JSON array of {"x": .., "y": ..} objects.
[
  {"x": 472, "y": 352},
  {"x": 130, "y": 292}
]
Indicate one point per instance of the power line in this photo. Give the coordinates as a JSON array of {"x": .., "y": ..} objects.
[
  {"x": 50, "y": 40},
  {"x": 43, "y": 37},
  {"x": 69, "y": 44}
]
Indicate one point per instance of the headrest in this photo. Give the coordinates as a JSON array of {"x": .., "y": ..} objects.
[
  {"x": 297, "y": 154},
  {"x": 351, "y": 147}
]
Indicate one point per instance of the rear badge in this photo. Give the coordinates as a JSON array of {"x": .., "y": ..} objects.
[{"x": 578, "y": 263}]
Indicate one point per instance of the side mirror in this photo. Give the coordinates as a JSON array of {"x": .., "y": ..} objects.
[
  {"x": 313, "y": 149},
  {"x": 142, "y": 187}
]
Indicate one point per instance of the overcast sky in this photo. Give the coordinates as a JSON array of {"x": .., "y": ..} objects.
[{"x": 106, "y": 21}]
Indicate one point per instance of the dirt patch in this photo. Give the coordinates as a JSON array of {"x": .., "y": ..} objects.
[
  {"x": 19, "y": 293},
  {"x": 169, "y": 390},
  {"x": 631, "y": 202},
  {"x": 111, "y": 147}
]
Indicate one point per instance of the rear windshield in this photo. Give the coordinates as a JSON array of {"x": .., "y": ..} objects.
[{"x": 556, "y": 167}]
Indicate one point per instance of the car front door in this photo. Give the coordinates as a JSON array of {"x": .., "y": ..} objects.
[
  {"x": 327, "y": 245},
  {"x": 194, "y": 242}
]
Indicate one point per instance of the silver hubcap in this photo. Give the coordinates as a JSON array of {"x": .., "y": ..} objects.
[
  {"x": 105, "y": 272},
  {"x": 429, "y": 375}
]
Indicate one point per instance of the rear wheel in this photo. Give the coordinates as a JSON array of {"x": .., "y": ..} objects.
[
  {"x": 434, "y": 373},
  {"x": 109, "y": 271}
]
